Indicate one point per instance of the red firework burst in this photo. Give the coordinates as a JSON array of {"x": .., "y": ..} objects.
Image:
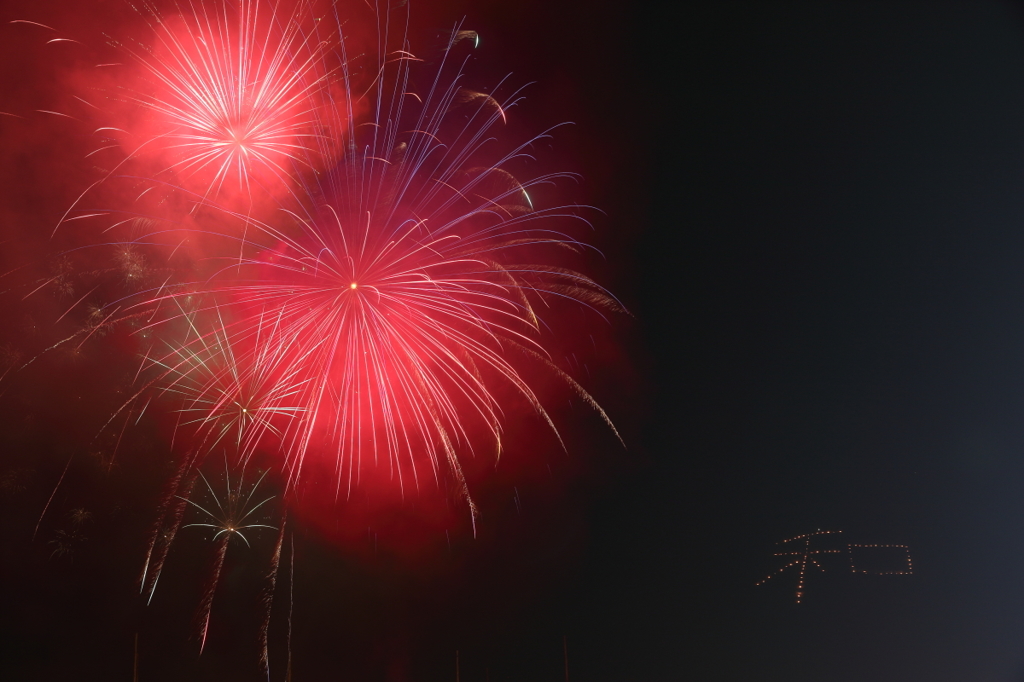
[
  {"x": 220, "y": 99},
  {"x": 395, "y": 300},
  {"x": 376, "y": 322},
  {"x": 230, "y": 97}
]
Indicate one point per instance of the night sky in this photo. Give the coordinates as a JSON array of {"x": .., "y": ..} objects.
[{"x": 814, "y": 214}]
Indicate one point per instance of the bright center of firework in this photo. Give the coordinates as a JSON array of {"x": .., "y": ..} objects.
[
  {"x": 352, "y": 286},
  {"x": 237, "y": 138}
]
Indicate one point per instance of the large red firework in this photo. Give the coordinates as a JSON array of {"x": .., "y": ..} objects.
[
  {"x": 332, "y": 261},
  {"x": 220, "y": 99},
  {"x": 372, "y": 316},
  {"x": 387, "y": 309}
]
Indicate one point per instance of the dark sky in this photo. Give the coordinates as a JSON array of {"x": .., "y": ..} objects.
[
  {"x": 841, "y": 215},
  {"x": 814, "y": 213}
]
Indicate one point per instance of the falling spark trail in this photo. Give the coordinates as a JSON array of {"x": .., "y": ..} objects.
[
  {"x": 172, "y": 506},
  {"x": 291, "y": 606},
  {"x": 59, "y": 481},
  {"x": 33, "y": 23},
  {"x": 206, "y": 605},
  {"x": 268, "y": 600},
  {"x": 565, "y": 654}
]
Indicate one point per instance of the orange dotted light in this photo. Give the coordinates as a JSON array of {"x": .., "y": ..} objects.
[
  {"x": 805, "y": 557},
  {"x": 905, "y": 548}
]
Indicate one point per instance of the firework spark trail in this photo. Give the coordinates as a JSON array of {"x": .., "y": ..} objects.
[
  {"x": 52, "y": 495},
  {"x": 172, "y": 507},
  {"x": 206, "y": 604},
  {"x": 291, "y": 605},
  {"x": 175, "y": 514},
  {"x": 268, "y": 599}
]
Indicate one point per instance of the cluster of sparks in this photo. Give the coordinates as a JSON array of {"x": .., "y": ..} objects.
[
  {"x": 230, "y": 97},
  {"x": 364, "y": 291},
  {"x": 805, "y": 559}
]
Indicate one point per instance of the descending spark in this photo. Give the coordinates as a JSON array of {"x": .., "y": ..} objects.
[
  {"x": 33, "y": 23},
  {"x": 565, "y": 655},
  {"x": 206, "y": 604},
  {"x": 165, "y": 528},
  {"x": 268, "y": 600},
  {"x": 291, "y": 606},
  {"x": 52, "y": 494}
]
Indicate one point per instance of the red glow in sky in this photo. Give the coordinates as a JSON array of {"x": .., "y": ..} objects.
[{"x": 333, "y": 258}]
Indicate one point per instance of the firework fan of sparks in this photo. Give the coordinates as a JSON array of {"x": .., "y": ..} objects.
[
  {"x": 233, "y": 98},
  {"x": 221, "y": 99},
  {"x": 235, "y": 512},
  {"x": 227, "y": 517},
  {"x": 223, "y": 399}
]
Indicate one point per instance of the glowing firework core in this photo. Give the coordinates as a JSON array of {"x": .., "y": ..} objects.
[{"x": 233, "y": 92}]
